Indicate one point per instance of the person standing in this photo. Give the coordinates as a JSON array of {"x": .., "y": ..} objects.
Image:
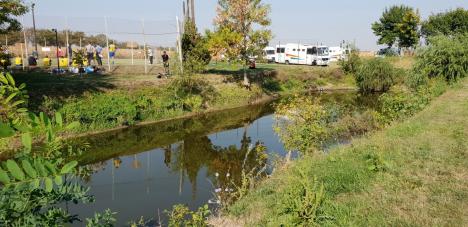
[
  {"x": 112, "y": 50},
  {"x": 89, "y": 53},
  {"x": 150, "y": 55},
  {"x": 99, "y": 54},
  {"x": 165, "y": 59}
]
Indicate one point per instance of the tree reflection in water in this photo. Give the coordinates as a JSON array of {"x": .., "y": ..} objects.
[{"x": 225, "y": 165}]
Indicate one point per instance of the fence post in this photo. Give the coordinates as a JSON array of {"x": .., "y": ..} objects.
[
  {"x": 107, "y": 43},
  {"x": 144, "y": 44},
  {"x": 68, "y": 42},
  {"x": 25, "y": 43}
]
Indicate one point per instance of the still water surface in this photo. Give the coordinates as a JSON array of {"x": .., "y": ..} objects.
[{"x": 140, "y": 170}]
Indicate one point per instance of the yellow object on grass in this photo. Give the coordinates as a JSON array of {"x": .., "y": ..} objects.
[
  {"x": 18, "y": 61},
  {"x": 46, "y": 61},
  {"x": 63, "y": 62}
]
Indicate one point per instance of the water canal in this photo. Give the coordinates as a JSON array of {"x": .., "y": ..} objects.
[{"x": 141, "y": 170}]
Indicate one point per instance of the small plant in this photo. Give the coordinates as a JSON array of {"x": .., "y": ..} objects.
[
  {"x": 351, "y": 64},
  {"x": 180, "y": 215},
  {"x": 375, "y": 75},
  {"x": 105, "y": 219},
  {"x": 303, "y": 202},
  {"x": 376, "y": 162}
]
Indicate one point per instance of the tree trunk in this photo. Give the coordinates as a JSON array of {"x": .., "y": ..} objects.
[{"x": 246, "y": 81}]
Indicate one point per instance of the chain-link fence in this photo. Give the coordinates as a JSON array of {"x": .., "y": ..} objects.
[{"x": 111, "y": 42}]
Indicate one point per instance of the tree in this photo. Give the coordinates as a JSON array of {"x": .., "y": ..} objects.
[
  {"x": 236, "y": 20},
  {"x": 195, "y": 52},
  {"x": 449, "y": 23},
  {"x": 398, "y": 25},
  {"x": 9, "y": 11}
]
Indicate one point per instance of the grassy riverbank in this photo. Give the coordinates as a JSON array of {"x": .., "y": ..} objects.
[
  {"x": 413, "y": 173},
  {"x": 101, "y": 102}
]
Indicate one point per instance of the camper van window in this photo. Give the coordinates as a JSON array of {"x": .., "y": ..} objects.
[
  {"x": 294, "y": 49},
  {"x": 312, "y": 51},
  {"x": 303, "y": 50},
  {"x": 270, "y": 52}
]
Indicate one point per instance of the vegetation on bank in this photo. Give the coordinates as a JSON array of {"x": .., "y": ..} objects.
[{"x": 389, "y": 167}]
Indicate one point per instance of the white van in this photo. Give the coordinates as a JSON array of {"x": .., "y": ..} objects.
[
  {"x": 302, "y": 54},
  {"x": 269, "y": 54},
  {"x": 336, "y": 53}
]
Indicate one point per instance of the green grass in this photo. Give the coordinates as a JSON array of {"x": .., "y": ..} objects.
[{"x": 421, "y": 179}]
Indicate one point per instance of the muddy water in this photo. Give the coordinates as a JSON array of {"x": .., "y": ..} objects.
[{"x": 142, "y": 170}]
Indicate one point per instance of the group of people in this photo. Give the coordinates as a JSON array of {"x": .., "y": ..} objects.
[{"x": 95, "y": 52}]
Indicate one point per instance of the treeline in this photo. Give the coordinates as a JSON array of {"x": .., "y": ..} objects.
[{"x": 46, "y": 37}]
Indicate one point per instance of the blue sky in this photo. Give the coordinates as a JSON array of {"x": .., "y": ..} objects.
[{"x": 307, "y": 21}]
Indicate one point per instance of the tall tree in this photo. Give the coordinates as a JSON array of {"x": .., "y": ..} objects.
[
  {"x": 9, "y": 10},
  {"x": 398, "y": 25},
  {"x": 195, "y": 52},
  {"x": 449, "y": 23},
  {"x": 237, "y": 19}
]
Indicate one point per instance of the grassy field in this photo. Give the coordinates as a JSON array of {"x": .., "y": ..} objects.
[{"x": 413, "y": 173}]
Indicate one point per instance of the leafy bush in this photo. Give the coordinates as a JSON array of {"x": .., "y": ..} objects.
[
  {"x": 181, "y": 215},
  {"x": 376, "y": 75},
  {"x": 352, "y": 63},
  {"x": 196, "y": 54},
  {"x": 445, "y": 57}
]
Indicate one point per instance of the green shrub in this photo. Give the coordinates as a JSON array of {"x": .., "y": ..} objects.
[
  {"x": 376, "y": 75},
  {"x": 352, "y": 63},
  {"x": 445, "y": 57}
]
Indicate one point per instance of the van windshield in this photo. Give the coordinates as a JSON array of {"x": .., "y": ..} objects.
[
  {"x": 270, "y": 52},
  {"x": 322, "y": 51}
]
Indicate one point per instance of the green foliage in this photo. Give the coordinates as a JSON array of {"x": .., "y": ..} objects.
[
  {"x": 195, "y": 52},
  {"x": 398, "y": 24},
  {"x": 376, "y": 75},
  {"x": 106, "y": 219},
  {"x": 445, "y": 58},
  {"x": 450, "y": 23},
  {"x": 10, "y": 11},
  {"x": 301, "y": 124},
  {"x": 181, "y": 215},
  {"x": 5, "y": 59},
  {"x": 302, "y": 204},
  {"x": 188, "y": 87},
  {"x": 13, "y": 101},
  {"x": 376, "y": 162},
  {"x": 401, "y": 103},
  {"x": 35, "y": 173},
  {"x": 79, "y": 57},
  {"x": 351, "y": 64}
]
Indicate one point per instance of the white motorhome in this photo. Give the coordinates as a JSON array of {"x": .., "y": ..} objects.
[
  {"x": 302, "y": 54},
  {"x": 270, "y": 54},
  {"x": 336, "y": 53}
]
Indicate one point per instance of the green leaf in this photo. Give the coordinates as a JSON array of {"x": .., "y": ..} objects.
[
  {"x": 35, "y": 183},
  {"x": 50, "y": 167},
  {"x": 10, "y": 97},
  {"x": 67, "y": 168},
  {"x": 10, "y": 79},
  {"x": 40, "y": 168},
  {"x": 73, "y": 125},
  {"x": 4, "y": 177},
  {"x": 48, "y": 184},
  {"x": 6, "y": 131},
  {"x": 15, "y": 170},
  {"x": 22, "y": 128},
  {"x": 58, "y": 119},
  {"x": 26, "y": 140},
  {"x": 17, "y": 103},
  {"x": 29, "y": 169},
  {"x": 58, "y": 180}
]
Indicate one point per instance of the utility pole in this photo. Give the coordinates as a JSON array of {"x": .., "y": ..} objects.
[
  {"x": 57, "y": 49},
  {"x": 192, "y": 6},
  {"x": 34, "y": 27}
]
